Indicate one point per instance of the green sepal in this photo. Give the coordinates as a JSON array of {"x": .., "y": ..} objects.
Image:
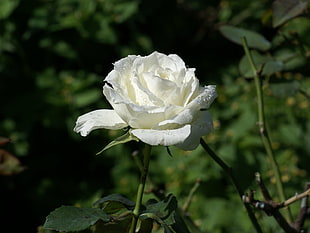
[
  {"x": 127, "y": 137},
  {"x": 169, "y": 151},
  {"x": 71, "y": 218}
]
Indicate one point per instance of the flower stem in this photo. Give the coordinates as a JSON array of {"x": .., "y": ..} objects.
[
  {"x": 230, "y": 173},
  {"x": 146, "y": 160},
  {"x": 263, "y": 129}
]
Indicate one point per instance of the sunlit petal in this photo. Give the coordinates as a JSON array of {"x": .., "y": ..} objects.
[
  {"x": 104, "y": 118},
  {"x": 201, "y": 126},
  {"x": 162, "y": 137}
]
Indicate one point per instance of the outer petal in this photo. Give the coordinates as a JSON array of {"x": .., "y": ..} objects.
[
  {"x": 192, "y": 110},
  {"x": 201, "y": 126},
  {"x": 183, "y": 118},
  {"x": 104, "y": 118},
  {"x": 205, "y": 98},
  {"x": 162, "y": 137}
]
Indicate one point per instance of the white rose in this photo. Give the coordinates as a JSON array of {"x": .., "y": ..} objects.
[{"x": 158, "y": 97}]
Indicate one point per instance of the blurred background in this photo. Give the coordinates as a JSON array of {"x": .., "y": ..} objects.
[{"x": 54, "y": 55}]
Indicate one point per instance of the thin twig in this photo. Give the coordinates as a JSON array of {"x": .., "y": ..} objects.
[
  {"x": 231, "y": 175},
  {"x": 297, "y": 197},
  {"x": 271, "y": 208},
  {"x": 279, "y": 205},
  {"x": 262, "y": 187},
  {"x": 190, "y": 196},
  {"x": 302, "y": 215},
  {"x": 304, "y": 93}
]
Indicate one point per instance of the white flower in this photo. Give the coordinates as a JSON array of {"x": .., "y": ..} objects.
[{"x": 158, "y": 97}]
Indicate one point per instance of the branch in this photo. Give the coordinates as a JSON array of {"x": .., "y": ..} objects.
[
  {"x": 304, "y": 93},
  {"x": 229, "y": 172},
  {"x": 262, "y": 125},
  {"x": 304, "y": 209},
  {"x": 297, "y": 197},
  {"x": 271, "y": 208}
]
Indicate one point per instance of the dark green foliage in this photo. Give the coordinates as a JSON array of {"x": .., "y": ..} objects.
[
  {"x": 110, "y": 218},
  {"x": 284, "y": 10},
  {"x": 54, "y": 56},
  {"x": 111, "y": 203},
  {"x": 164, "y": 209},
  {"x": 71, "y": 218},
  {"x": 254, "y": 39}
]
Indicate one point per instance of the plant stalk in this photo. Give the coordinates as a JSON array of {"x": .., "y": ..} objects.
[
  {"x": 146, "y": 160},
  {"x": 263, "y": 129},
  {"x": 230, "y": 173}
]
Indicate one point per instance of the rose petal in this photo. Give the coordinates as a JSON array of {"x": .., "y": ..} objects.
[
  {"x": 104, "y": 118},
  {"x": 205, "y": 98},
  {"x": 183, "y": 118},
  {"x": 162, "y": 137},
  {"x": 201, "y": 126},
  {"x": 124, "y": 65},
  {"x": 134, "y": 89},
  {"x": 202, "y": 101},
  {"x": 162, "y": 88},
  {"x": 143, "y": 95},
  {"x": 189, "y": 87},
  {"x": 143, "y": 117},
  {"x": 177, "y": 61}
]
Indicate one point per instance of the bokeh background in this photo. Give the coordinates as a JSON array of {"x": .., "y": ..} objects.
[{"x": 54, "y": 55}]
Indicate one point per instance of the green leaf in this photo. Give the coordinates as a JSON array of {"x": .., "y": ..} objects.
[
  {"x": 291, "y": 134},
  {"x": 87, "y": 97},
  {"x": 284, "y": 10},
  {"x": 290, "y": 59},
  {"x": 114, "y": 203},
  {"x": 180, "y": 225},
  {"x": 165, "y": 209},
  {"x": 146, "y": 216},
  {"x": 121, "y": 225},
  {"x": 145, "y": 226},
  {"x": 71, "y": 218},
  {"x": 270, "y": 65},
  {"x": 125, "y": 10},
  {"x": 282, "y": 90},
  {"x": 254, "y": 39},
  {"x": 127, "y": 137},
  {"x": 7, "y": 7}
]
